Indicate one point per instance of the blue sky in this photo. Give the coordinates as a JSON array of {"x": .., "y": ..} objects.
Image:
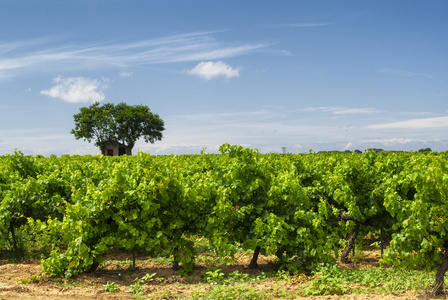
[{"x": 304, "y": 74}]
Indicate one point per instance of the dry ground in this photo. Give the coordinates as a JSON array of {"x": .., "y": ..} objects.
[{"x": 14, "y": 281}]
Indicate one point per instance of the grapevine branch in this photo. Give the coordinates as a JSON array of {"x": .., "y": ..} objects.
[
  {"x": 440, "y": 275},
  {"x": 253, "y": 262},
  {"x": 351, "y": 238}
]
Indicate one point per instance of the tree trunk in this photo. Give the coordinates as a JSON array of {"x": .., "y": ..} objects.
[
  {"x": 350, "y": 244},
  {"x": 93, "y": 267},
  {"x": 440, "y": 275},
  {"x": 133, "y": 262},
  {"x": 175, "y": 266},
  {"x": 14, "y": 241},
  {"x": 253, "y": 262}
]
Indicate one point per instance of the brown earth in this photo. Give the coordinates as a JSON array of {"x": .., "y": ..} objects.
[{"x": 26, "y": 281}]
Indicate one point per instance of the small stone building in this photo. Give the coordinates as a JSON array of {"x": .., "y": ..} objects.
[{"x": 116, "y": 149}]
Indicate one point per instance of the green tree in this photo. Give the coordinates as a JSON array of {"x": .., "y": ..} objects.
[{"x": 117, "y": 123}]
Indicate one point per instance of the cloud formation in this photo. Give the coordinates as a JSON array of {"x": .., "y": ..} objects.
[
  {"x": 189, "y": 47},
  {"x": 404, "y": 73},
  {"x": 287, "y": 25},
  {"x": 414, "y": 124},
  {"x": 395, "y": 141},
  {"x": 209, "y": 70},
  {"x": 126, "y": 74},
  {"x": 77, "y": 89},
  {"x": 341, "y": 110}
]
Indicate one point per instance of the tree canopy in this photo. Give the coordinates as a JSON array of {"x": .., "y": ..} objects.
[{"x": 119, "y": 123}]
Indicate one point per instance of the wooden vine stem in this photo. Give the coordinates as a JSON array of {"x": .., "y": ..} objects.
[{"x": 351, "y": 238}]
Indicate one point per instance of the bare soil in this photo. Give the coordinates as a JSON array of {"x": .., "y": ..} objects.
[{"x": 16, "y": 281}]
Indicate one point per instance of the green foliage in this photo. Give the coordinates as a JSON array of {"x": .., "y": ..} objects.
[
  {"x": 221, "y": 292},
  {"x": 282, "y": 275},
  {"x": 34, "y": 279},
  {"x": 75, "y": 209},
  {"x": 417, "y": 197},
  {"x": 261, "y": 202},
  {"x": 237, "y": 276},
  {"x": 29, "y": 189},
  {"x": 333, "y": 280},
  {"x": 111, "y": 287},
  {"x": 215, "y": 276},
  {"x": 137, "y": 288}
]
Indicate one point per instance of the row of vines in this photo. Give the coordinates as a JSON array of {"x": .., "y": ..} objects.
[{"x": 306, "y": 209}]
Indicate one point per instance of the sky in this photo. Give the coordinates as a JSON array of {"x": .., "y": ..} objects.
[{"x": 272, "y": 75}]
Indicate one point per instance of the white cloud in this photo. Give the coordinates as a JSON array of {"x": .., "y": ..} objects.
[
  {"x": 298, "y": 25},
  {"x": 209, "y": 70},
  {"x": 77, "y": 89},
  {"x": 404, "y": 73},
  {"x": 342, "y": 110},
  {"x": 414, "y": 123},
  {"x": 348, "y": 111},
  {"x": 126, "y": 74},
  {"x": 348, "y": 146},
  {"x": 395, "y": 141},
  {"x": 309, "y": 24}
]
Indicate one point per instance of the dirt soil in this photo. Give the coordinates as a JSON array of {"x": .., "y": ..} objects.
[{"x": 26, "y": 281}]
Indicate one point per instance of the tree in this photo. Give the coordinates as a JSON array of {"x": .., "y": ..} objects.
[
  {"x": 425, "y": 150},
  {"x": 119, "y": 123}
]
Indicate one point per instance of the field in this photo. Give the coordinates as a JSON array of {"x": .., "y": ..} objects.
[
  {"x": 25, "y": 280},
  {"x": 211, "y": 215}
]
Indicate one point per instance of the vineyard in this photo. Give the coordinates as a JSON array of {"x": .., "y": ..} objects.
[{"x": 305, "y": 210}]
